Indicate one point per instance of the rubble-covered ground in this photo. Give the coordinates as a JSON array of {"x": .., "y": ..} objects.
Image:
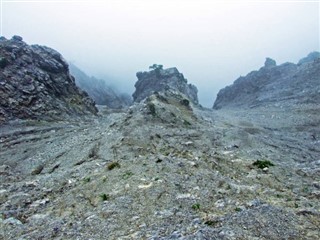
[{"x": 163, "y": 170}]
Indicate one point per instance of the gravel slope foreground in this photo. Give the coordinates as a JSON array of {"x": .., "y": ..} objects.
[{"x": 163, "y": 170}]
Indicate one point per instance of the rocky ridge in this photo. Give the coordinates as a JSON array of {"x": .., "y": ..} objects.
[
  {"x": 159, "y": 80},
  {"x": 272, "y": 85},
  {"x": 35, "y": 83},
  {"x": 99, "y": 91}
]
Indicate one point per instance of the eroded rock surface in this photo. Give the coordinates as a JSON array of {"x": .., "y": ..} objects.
[
  {"x": 160, "y": 80},
  {"x": 35, "y": 83},
  {"x": 273, "y": 85}
]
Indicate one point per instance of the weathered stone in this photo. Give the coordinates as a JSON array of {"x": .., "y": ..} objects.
[
  {"x": 270, "y": 63},
  {"x": 35, "y": 83},
  {"x": 161, "y": 80},
  {"x": 273, "y": 85}
]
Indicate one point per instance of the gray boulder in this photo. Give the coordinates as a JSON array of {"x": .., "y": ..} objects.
[{"x": 160, "y": 80}]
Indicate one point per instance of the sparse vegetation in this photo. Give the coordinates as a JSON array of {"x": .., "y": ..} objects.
[
  {"x": 185, "y": 102},
  {"x": 152, "y": 109},
  {"x": 196, "y": 206},
  {"x": 93, "y": 153},
  {"x": 105, "y": 197},
  {"x": 262, "y": 164},
  {"x": 156, "y": 67},
  {"x": 237, "y": 209},
  {"x": 211, "y": 223},
  {"x": 87, "y": 179},
  {"x": 113, "y": 165},
  {"x": 127, "y": 175}
]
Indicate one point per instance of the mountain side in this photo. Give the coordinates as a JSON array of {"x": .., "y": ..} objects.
[
  {"x": 35, "y": 83},
  {"x": 99, "y": 91},
  {"x": 162, "y": 170},
  {"x": 159, "y": 80},
  {"x": 272, "y": 85}
]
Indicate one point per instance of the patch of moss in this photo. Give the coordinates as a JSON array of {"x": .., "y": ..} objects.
[{"x": 262, "y": 164}]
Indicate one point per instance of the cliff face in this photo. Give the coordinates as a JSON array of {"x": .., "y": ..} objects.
[
  {"x": 286, "y": 84},
  {"x": 99, "y": 91},
  {"x": 35, "y": 83},
  {"x": 160, "y": 80}
]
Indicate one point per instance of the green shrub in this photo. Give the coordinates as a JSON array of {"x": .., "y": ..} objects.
[
  {"x": 105, "y": 197},
  {"x": 196, "y": 206},
  {"x": 263, "y": 164}
]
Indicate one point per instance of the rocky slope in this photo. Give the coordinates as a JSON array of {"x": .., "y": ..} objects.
[
  {"x": 273, "y": 85},
  {"x": 35, "y": 83},
  {"x": 161, "y": 80},
  {"x": 163, "y": 170},
  {"x": 99, "y": 91}
]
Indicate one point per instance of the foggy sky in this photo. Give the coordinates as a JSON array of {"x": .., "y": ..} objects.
[{"x": 211, "y": 42}]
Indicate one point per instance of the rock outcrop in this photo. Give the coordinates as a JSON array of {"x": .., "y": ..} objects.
[
  {"x": 160, "y": 80},
  {"x": 35, "y": 83},
  {"x": 310, "y": 58},
  {"x": 99, "y": 91},
  {"x": 286, "y": 84}
]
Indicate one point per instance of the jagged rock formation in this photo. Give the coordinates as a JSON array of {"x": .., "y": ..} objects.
[
  {"x": 35, "y": 83},
  {"x": 99, "y": 91},
  {"x": 162, "y": 80},
  {"x": 286, "y": 84},
  {"x": 311, "y": 57}
]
